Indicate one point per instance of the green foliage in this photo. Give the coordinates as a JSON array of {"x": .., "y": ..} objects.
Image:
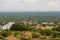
[
  {"x": 56, "y": 29},
  {"x": 33, "y": 24},
  {"x": 55, "y": 34},
  {"x": 20, "y": 27},
  {"x": 28, "y": 27},
  {"x": 44, "y": 25},
  {"x": 17, "y": 27},
  {"x": 14, "y": 27},
  {"x": 2, "y": 22},
  {"x": 24, "y": 38},
  {"x": 6, "y": 33},
  {"x": 17, "y": 33},
  {"x": 36, "y": 30},
  {"x": 2, "y": 38},
  {"x": 46, "y": 32},
  {"x": 55, "y": 39},
  {"x": 35, "y": 35}
]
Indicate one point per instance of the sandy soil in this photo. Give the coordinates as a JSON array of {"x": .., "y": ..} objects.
[{"x": 11, "y": 37}]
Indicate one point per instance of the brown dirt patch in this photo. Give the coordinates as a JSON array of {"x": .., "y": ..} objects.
[{"x": 11, "y": 37}]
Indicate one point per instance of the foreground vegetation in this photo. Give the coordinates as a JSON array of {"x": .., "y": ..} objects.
[{"x": 29, "y": 32}]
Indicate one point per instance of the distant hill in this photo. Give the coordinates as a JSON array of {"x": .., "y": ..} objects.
[{"x": 30, "y": 13}]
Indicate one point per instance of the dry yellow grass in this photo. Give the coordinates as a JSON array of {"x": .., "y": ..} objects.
[
  {"x": 18, "y": 37},
  {"x": 28, "y": 34},
  {"x": 11, "y": 37}
]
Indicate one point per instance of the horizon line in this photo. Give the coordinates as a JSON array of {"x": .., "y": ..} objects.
[{"x": 29, "y": 10}]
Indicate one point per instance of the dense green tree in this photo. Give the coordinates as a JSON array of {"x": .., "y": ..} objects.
[
  {"x": 56, "y": 29},
  {"x": 17, "y": 27},
  {"x": 21, "y": 27},
  {"x": 46, "y": 32},
  {"x": 6, "y": 33},
  {"x": 28, "y": 27},
  {"x": 44, "y": 25}
]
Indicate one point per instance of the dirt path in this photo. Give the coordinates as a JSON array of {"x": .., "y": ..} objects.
[{"x": 11, "y": 37}]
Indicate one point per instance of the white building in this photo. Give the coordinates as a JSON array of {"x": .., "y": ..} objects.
[{"x": 7, "y": 26}]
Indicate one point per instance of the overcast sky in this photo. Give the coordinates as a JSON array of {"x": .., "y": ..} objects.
[{"x": 29, "y": 5}]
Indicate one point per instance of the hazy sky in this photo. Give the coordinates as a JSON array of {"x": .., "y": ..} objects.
[{"x": 32, "y": 5}]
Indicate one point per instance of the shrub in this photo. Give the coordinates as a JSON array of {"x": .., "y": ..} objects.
[
  {"x": 6, "y": 33},
  {"x": 35, "y": 35},
  {"x": 17, "y": 33},
  {"x": 0, "y": 33},
  {"x": 2, "y": 38},
  {"x": 24, "y": 38},
  {"x": 17, "y": 27},
  {"x": 57, "y": 28},
  {"x": 28, "y": 28},
  {"x": 20, "y": 27},
  {"x": 46, "y": 32},
  {"x": 55, "y": 39},
  {"x": 36, "y": 29},
  {"x": 56, "y": 34}
]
